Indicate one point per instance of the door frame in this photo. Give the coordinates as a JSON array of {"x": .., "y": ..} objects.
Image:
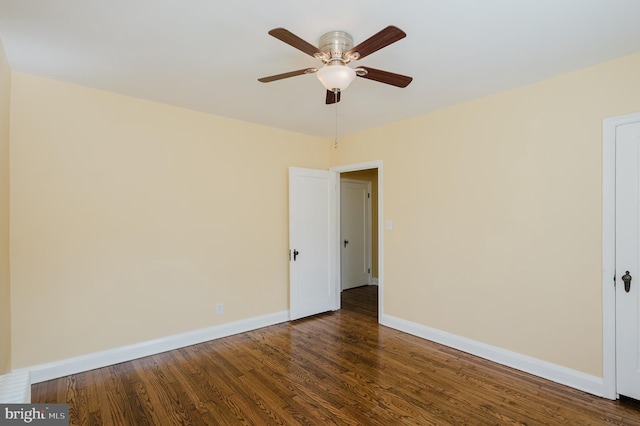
[
  {"x": 609, "y": 126},
  {"x": 368, "y": 236},
  {"x": 377, "y": 164}
]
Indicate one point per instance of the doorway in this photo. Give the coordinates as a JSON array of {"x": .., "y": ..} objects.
[
  {"x": 370, "y": 172},
  {"x": 357, "y": 224}
]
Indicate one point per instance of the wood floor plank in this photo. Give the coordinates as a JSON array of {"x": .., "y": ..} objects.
[{"x": 339, "y": 368}]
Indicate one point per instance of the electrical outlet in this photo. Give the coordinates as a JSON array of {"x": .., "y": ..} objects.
[{"x": 219, "y": 308}]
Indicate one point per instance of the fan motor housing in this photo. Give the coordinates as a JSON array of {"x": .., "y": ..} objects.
[{"x": 336, "y": 43}]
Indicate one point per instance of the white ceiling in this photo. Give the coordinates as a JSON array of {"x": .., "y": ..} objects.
[{"x": 207, "y": 55}]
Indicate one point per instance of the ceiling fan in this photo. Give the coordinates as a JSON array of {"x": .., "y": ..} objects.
[{"x": 336, "y": 51}]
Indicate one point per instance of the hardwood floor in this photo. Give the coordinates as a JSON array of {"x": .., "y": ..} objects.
[{"x": 336, "y": 368}]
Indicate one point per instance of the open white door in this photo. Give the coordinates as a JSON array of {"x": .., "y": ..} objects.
[
  {"x": 312, "y": 242},
  {"x": 628, "y": 260},
  {"x": 355, "y": 233}
]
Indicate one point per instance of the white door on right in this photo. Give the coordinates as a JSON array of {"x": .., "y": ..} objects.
[
  {"x": 355, "y": 232},
  {"x": 628, "y": 260}
]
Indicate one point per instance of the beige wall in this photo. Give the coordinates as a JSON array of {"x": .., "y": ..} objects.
[
  {"x": 496, "y": 209},
  {"x": 370, "y": 175},
  {"x": 132, "y": 219},
  {"x": 5, "y": 295},
  {"x": 126, "y": 226}
]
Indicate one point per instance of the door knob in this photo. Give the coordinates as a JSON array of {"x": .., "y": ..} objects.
[
  {"x": 295, "y": 254},
  {"x": 626, "y": 278},
  {"x": 345, "y": 243}
]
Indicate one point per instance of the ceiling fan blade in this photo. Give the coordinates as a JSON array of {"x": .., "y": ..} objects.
[
  {"x": 293, "y": 40},
  {"x": 386, "y": 77},
  {"x": 287, "y": 75},
  {"x": 377, "y": 41},
  {"x": 332, "y": 97}
]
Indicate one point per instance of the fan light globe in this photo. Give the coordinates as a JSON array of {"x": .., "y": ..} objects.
[{"x": 336, "y": 76}]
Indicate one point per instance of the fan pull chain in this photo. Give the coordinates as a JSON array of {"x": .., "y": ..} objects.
[{"x": 335, "y": 98}]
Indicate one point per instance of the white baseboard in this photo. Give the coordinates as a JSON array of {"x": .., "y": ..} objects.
[
  {"x": 65, "y": 367},
  {"x": 15, "y": 388},
  {"x": 21, "y": 390},
  {"x": 546, "y": 370}
]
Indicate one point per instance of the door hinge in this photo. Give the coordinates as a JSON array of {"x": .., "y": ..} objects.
[
  {"x": 368, "y": 195},
  {"x": 368, "y": 270},
  {"x": 614, "y": 280}
]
